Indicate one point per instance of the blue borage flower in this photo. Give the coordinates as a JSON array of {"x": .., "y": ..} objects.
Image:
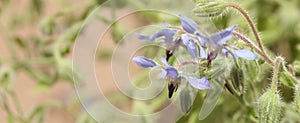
[
  {"x": 191, "y": 45},
  {"x": 171, "y": 74},
  {"x": 216, "y": 43},
  {"x": 172, "y": 42},
  {"x": 195, "y": 42},
  {"x": 197, "y": 45}
]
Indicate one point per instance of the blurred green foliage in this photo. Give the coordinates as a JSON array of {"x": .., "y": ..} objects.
[{"x": 43, "y": 56}]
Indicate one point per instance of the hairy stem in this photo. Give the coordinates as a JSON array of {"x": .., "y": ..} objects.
[
  {"x": 265, "y": 56},
  {"x": 275, "y": 73},
  {"x": 186, "y": 63},
  {"x": 251, "y": 23},
  {"x": 253, "y": 46}
]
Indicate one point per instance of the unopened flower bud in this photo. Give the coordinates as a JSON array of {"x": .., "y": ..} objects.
[
  {"x": 210, "y": 9},
  {"x": 237, "y": 76},
  {"x": 269, "y": 107}
]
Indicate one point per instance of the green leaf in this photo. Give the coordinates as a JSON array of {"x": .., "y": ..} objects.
[
  {"x": 194, "y": 109},
  {"x": 19, "y": 41},
  {"x": 48, "y": 25},
  {"x": 6, "y": 78},
  {"x": 286, "y": 79},
  {"x": 11, "y": 118},
  {"x": 237, "y": 79},
  {"x": 37, "y": 5},
  {"x": 85, "y": 118},
  {"x": 37, "y": 114},
  {"x": 67, "y": 71},
  {"x": 41, "y": 87},
  {"x": 185, "y": 100},
  {"x": 297, "y": 96},
  {"x": 118, "y": 31}
]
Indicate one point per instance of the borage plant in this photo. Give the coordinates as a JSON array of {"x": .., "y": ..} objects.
[{"x": 233, "y": 68}]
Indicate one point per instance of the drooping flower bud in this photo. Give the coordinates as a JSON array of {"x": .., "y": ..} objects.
[
  {"x": 269, "y": 107},
  {"x": 269, "y": 104},
  {"x": 210, "y": 8},
  {"x": 237, "y": 76}
]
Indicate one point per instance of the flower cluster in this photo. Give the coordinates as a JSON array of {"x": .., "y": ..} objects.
[{"x": 199, "y": 46}]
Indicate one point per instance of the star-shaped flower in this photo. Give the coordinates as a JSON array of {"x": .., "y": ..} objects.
[
  {"x": 215, "y": 44},
  {"x": 183, "y": 39},
  {"x": 171, "y": 74}
]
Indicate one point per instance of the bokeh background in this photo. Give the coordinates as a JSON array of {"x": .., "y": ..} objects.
[{"x": 37, "y": 39}]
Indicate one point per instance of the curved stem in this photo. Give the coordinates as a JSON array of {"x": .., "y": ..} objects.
[
  {"x": 186, "y": 63},
  {"x": 253, "y": 46},
  {"x": 253, "y": 28},
  {"x": 265, "y": 56}
]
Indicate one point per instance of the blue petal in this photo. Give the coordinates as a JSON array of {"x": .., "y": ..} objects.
[
  {"x": 222, "y": 37},
  {"x": 226, "y": 51},
  {"x": 143, "y": 62},
  {"x": 144, "y": 37},
  {"x": 171, "y": 72},
  {"x": 188, "y": 24},
  {"x": 164, "y": 61},
  {"x": 202, "y": 39},
  {"x": 203, "y": 53},
  {"x": 246, "y": 54},
  {"x": 163, "y": 74},
  {"x": 167, "y": 33},
  {"x": 201, "y": 84},
  {"x": 189, "y": 42},
  {"x": 166, "y": 24}
]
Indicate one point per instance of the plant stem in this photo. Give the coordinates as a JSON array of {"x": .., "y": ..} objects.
[
  {"x": 251, "y": 23},
  {"x": 253, "y": 46},
  {"x": 265, "y": 56},
  {"x": 17, "y": 103},
  {"x": 275, "y": 73},
  {"x": 186, "y": 63},
  {"x": 290, "y": 72},
  {"x": 73, "y": 9},
  {"x": 5, "y": 103}
]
